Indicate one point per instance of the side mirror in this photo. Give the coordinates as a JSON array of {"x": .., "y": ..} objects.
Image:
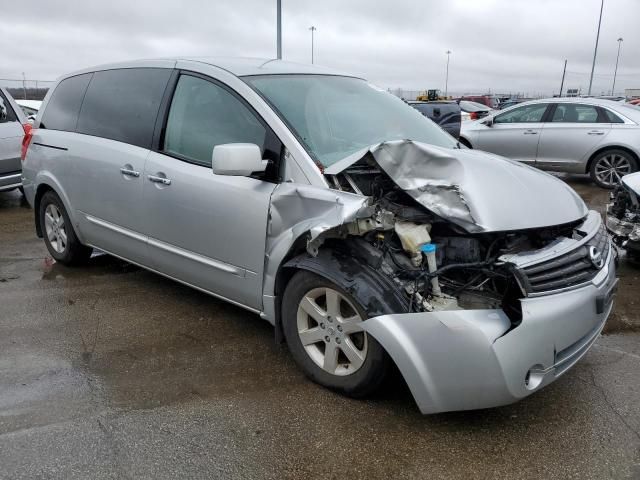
[
  {"x": 489, "y": 122},
  {"x": 3, "y": 110},
  {"x": 237, "y": 159}
]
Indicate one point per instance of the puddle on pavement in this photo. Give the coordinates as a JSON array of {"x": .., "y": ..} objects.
[
  {"x": 149, "y": 341},
  {"x": 99, "y": 264},
  {"x": 164, "y": 360}
]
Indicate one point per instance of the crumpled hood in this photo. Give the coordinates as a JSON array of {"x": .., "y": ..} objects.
[{"x": 478, "y": 191}]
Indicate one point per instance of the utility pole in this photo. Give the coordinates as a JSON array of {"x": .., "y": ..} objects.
[
  {"x": 446, "y": 81},
  {"x": 279, "y": 35},
  {"x": 313, "y": 29},
  {"x": 595, "y": 50},
  {"x": 563, "y": 74},
  {"x": 24, "y": 86},
  {"x": 615, "y": 72}
]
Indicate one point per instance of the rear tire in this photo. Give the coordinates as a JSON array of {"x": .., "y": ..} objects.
[
  {"x": 59, "y": 235},
  {"x": 335, "y": 352},
  {"x": 608, "y": 167}
]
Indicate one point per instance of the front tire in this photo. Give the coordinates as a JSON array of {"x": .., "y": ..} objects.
[
  {"x": 58, "y": 233},
  {"x": 321, "y": 326},
  {"x": 608, "y": 167}
]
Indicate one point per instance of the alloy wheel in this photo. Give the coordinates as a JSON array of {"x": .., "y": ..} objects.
[
  {"x": 55, "y": 228},
  {"x": 611, "y": 168},
  {"x": 330, "y": 330}
]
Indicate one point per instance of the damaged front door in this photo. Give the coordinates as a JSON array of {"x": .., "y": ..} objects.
[{"x": 205, "y": 229}]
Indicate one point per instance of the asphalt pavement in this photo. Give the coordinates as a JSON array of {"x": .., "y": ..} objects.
[{"x": 110, "y": 371}]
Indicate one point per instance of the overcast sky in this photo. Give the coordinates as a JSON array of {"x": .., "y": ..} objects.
[{"x": 502, "y": 45}]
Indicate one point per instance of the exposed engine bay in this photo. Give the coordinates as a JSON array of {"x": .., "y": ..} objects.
[
  {"x": 623, "y": 215},
  {"x": 437, "y": 264}
]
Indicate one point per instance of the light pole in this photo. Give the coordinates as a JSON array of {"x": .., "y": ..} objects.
[
  {"x": 279, "y": 34},
  {"x": 615, "y": 72},
  {"x": 563, "y": 74},
  {"x": 313, "y": 29},
  {"x": 446, "y": 81},
  {"x": 595, "y": 50}
]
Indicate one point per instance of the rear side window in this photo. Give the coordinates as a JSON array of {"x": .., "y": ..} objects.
[
  {"x": 611, "y": 117},
  {"x": 425, "y": 110},
  {"x": 61, "y": 112},
  {"x": 575, "y": 113},
  {"x": 123, "y": 104},
  {"x": 204, "y": 115}
]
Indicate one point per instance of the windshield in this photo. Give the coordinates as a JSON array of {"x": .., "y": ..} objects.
[{"x": 337, "y": 116}]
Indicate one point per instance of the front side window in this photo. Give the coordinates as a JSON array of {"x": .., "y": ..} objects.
[
  {"x": 525, "y": 114},
  {"x": 334, "y": 117},
  {"x": 575, "y": 113},
  {"x": 203, "y": 115}
]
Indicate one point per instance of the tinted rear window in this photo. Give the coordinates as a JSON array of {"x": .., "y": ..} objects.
[
  {"x": 123, "y": 104},
  {"x": 61, "y": 113}
]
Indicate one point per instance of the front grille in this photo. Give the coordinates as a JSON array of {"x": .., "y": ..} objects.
[{"x": 568, "y": 270}]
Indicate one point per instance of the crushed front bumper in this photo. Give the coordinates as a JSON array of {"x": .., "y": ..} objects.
[
  {"x": 470, "y": 359},
  {"x": 626, "y": 234}
]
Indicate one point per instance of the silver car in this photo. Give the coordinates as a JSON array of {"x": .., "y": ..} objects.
[
  {"x": 575, "y": 135},
  {"x": 13, "y": 125},
  {"x": 333, "y": 210}
]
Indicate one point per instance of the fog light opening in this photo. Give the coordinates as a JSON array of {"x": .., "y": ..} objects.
[{"x": 534, "y": 377}]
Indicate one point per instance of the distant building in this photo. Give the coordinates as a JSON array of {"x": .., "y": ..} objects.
[{"x": 632, "y": 93}]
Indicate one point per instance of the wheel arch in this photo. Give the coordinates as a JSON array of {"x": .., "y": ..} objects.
[
  {"x": 46, "y": 181},
  {"x": 376, "y": 293},
  {"x": 611, "y": 147}
]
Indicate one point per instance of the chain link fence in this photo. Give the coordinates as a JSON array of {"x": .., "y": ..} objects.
[{"x": 25, "y": 88}]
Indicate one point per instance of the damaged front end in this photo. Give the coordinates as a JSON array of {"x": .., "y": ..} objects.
[
  {"x": 486, "y": 308},
  {"x": 623, "y": 215},
  {"x": 425, "y": 227}
]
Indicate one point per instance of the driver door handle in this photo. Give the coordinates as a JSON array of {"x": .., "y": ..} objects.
[
  {"x": 129, "y": 172},
  {"x": 530, "y": 132},
  {"x": 595, "y": 132},
  {"x": 157, "y": 179}
]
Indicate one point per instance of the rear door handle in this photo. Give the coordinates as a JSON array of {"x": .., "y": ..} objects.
[
  {"x": 595, "y": 132},
  {"x": 129, "y": 172},
  {"x": 530, "y": 132},
  {"x": 157, "y": 179}
]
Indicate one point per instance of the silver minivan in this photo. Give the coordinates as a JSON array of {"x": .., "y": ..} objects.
[
  {"x": 13, "y": 126},
  {"x": 336, "y": 212}
]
